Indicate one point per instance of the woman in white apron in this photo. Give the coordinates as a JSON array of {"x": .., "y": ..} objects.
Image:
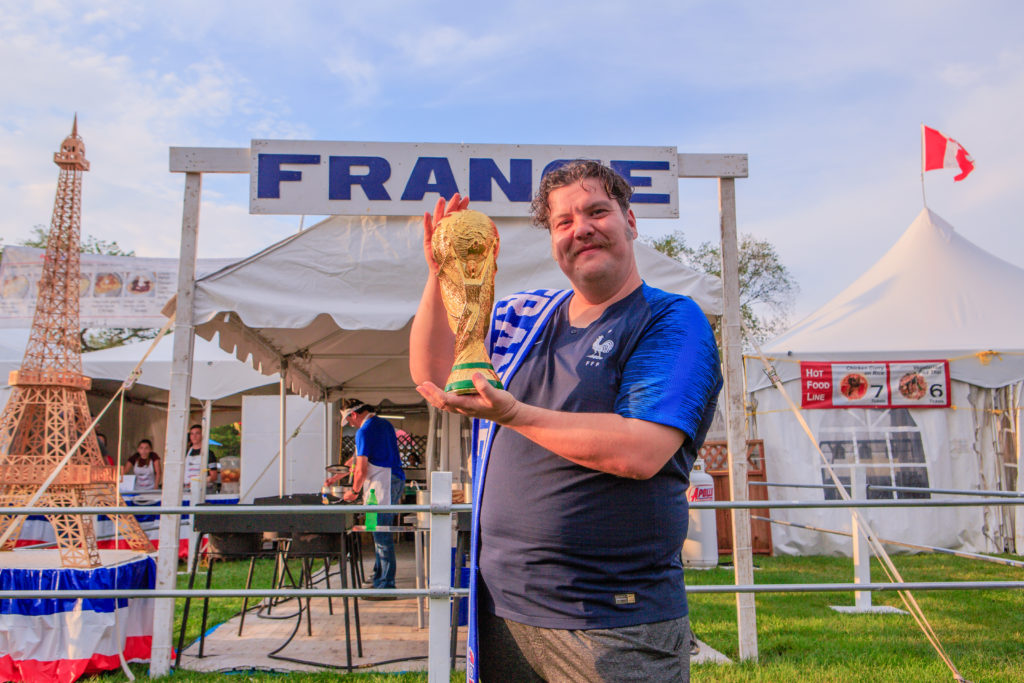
[{"x": 145, "y": 465}]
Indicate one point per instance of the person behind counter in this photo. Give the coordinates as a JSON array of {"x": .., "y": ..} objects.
[
  {"x": 194, "y": 458},
  {"x": 145, "y": 465},
  {"x": 101, "y": 439}
]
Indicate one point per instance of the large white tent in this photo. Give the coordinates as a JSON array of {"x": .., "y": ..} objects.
[
  {"x": 335, "y": 302},
  {"x": 933, "y": 296},
  {"x": 216, "y": 376}
]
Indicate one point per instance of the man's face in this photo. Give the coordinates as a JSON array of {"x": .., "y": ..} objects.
[
  {"x": 195, "y": 436},
  {"x": 591, "y": 238}
]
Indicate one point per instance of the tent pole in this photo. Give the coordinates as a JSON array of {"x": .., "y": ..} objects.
[
  {"x": 179, "y": 404},
  {"x": 197, "y": 494},
  {"x": 445, "y": 442},
  {"x": 329, "y": 432},
  {"x": 282, "y": 428},
  {"x": 205, "y": 452},
  {"x": 743, "y": 559},
  {"x": 431, "y": 439}
]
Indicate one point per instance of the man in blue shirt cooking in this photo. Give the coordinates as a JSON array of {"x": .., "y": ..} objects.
[
  {"x": 376, "y": 466},
  {"x": 582, "y": 463}
]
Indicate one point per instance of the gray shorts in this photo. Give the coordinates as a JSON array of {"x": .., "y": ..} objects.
[{"x": 510, "y": 651}]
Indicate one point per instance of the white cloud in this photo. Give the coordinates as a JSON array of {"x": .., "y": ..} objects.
[
  {"x": 358, "y": 75},
  {"x": 129, "y": 114},
  {"x": 826, "y": 98}
]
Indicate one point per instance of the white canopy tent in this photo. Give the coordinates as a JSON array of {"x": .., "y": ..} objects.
[
  {"x": 217, "y": 376},
  {"x": 335, "y": 302},
  {"x": 934, "y": 295}
]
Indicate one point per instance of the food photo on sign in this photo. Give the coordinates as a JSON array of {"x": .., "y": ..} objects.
[
  {"x": 853, "y": 386},
  {"x": 919, "y": 384},
  {"x": 141, "y": 284},
  {"x": 107, "y": 284}
]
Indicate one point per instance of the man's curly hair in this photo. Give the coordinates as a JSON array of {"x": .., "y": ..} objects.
[{"x": 573, "y": 172}]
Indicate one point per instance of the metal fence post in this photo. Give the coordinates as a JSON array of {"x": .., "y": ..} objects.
[
  {"x": 861, "y": 552},
  {"x": 439, "y": 665}
]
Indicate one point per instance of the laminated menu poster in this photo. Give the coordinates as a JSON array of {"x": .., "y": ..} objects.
[
  {"x": 114, "y": 291},
  {"x": 875, "y": 384}
]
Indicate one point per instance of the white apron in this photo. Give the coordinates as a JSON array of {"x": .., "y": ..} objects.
[
  {"x": 379, "y": 480},
  {"x": 145, "y": 476}
]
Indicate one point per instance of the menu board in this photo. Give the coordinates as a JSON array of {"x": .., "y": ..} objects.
[
  {"x": 876, "y": 384},
  {"x": 114, "y": 291}
]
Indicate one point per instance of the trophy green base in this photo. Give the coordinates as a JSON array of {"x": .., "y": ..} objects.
[{"x": 460, "y": 381}]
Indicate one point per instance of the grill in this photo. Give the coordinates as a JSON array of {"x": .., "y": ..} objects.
[
  {"x": 281, "y": 523},
  {"x": 304, "y": 536}
]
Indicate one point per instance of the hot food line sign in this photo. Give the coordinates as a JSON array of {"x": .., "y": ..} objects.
[
  {"x": 877, "y": 384},
  {"x": 405, "y": 179}
]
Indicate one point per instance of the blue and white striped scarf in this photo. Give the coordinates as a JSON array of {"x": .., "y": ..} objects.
[{"x": 518, "y": 320}]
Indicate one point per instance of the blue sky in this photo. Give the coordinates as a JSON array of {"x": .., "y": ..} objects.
[{"x": 826, "y": 99}]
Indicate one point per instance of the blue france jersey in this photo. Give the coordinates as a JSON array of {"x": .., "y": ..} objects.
[{"x": 564, "y": 546}]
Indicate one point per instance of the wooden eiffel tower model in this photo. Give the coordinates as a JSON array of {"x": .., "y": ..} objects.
[{"x": 47, "y": 410}]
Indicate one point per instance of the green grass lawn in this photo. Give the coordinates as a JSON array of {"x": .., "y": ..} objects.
[{"x": 799, "y": 637}]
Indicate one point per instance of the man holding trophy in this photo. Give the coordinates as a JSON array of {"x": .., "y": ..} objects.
[{"x": 584, "y": 437}]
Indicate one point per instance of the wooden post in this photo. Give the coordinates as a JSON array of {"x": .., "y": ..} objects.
[
  {"x": 1018, "y": 510},
  {"x": 178, "y": 407},
  {"x": 743, "y": 559}
]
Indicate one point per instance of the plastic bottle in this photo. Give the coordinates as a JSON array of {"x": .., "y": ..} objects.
[
  {"x": 371, "y": 517},
  {"x": 323, "y": 495}
]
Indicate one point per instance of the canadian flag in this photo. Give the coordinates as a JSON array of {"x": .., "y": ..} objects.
[{"x": 941, "y": 151}]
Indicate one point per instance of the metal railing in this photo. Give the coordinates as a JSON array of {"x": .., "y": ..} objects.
[{"x": 439, "y": 592}]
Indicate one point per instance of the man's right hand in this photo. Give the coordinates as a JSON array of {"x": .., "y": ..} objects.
[{"x": 441, "y": 210}]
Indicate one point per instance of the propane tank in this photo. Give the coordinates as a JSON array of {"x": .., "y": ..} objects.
[{"x": 700, "y": 550}]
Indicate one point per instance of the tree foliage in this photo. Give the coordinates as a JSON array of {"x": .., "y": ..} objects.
[
  {"x": 767, "y": 288},
  {"x": 94, "y": 339},
  {"x": 90, "y": 244},
  {"x": 230, "y": 439}
]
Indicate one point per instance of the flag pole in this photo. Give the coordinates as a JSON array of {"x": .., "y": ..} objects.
[{"x": 924, "y": 200}]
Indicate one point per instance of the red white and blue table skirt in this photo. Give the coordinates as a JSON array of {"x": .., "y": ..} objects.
[
  {"x": 37, "y": 530},
  {"x": 44, "y": 640}
]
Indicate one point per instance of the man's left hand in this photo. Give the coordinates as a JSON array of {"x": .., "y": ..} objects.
[{"x": 488, "y": 403}]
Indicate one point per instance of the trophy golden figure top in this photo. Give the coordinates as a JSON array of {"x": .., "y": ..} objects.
[{"x": 465, "y": 246}]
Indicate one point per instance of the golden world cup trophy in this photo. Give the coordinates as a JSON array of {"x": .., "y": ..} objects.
[{"x": 465, "y": 247}]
